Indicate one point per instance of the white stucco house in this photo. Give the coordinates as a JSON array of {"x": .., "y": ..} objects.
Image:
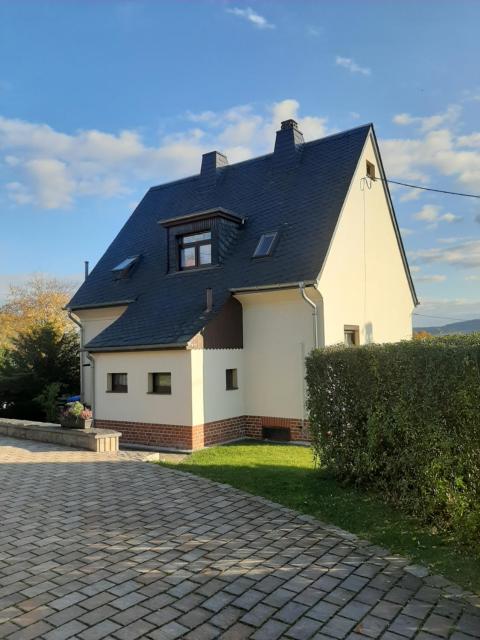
[{"x": 196, "y": 321}]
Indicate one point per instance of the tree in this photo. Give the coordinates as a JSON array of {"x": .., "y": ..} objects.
[
  {"x": 36, "y": 359},
  {"x": 422, "y": 335},
  {"x": 41, "y": 300}
]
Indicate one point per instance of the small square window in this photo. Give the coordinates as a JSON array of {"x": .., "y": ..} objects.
[
  {"x": 117, "y": 382},
  {"x": 351, "y": 336},
  {"x": 231, "y": 379},
  {"x": 370, "y": 170},
  {"x": 160, "y": 383},
  {"x": 265, "y": 245}
]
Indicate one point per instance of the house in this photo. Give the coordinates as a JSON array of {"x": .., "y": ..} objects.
[{"x": 196, "y": 321}]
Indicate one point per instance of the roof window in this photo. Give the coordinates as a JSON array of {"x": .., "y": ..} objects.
[
  {"x": 123, "y": 269},
  {"x": 265, "y": 245}
]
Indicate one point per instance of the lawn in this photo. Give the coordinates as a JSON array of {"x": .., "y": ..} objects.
[{"x": 286, "y": 474}]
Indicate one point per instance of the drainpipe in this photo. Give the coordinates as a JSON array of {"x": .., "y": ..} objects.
[
  {"x": 80, "y": 326},
  {"x": 301, "y": 286},
  {"x": 92, "y": 363}
]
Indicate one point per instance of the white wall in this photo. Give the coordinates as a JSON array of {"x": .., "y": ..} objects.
[
  {"x": 137, "y": 405},
  {"x": 211, "y": 400},
  {"x": 363, "y": 281},
  {"x": 94, "y": 321},
  {"x": 277, "y": 333}
]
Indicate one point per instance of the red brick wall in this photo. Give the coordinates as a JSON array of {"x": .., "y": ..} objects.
[{"x": 199, "y": 436}]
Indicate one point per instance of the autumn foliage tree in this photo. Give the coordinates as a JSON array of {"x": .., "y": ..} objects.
[
  {"x": 39, "y": 348},
  {"x": 39, "y": 301}
]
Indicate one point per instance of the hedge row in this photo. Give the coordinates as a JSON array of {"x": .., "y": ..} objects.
[{"x": 404, "y": 419}]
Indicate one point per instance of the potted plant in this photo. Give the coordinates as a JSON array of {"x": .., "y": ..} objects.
[{"x": 76, "y": 416}]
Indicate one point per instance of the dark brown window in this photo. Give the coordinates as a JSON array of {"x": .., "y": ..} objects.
[
  {"x": 160, "y": 382},
  {"x": 195, "y": 250},
  {"x": 231, "y": 379},
  {"x": 351, "y": 335},
  {"x": 370, "y": 170},
  {"x": 117, "y": 382}
]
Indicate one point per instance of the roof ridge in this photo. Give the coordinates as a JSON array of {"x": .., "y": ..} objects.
[{"x": 195, "y": 176}]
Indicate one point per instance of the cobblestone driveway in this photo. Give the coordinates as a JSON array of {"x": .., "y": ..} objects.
[{"x": 101, "y": 546}]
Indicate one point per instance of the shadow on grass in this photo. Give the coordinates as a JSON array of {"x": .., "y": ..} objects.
[{"x": 289, "y": 478}]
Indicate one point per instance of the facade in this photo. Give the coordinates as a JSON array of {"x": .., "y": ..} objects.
[{"x": 196, "y": 322}]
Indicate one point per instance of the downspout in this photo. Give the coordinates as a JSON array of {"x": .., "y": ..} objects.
[
  {"x": 92, "y": 364},
  {"x": 301, "y": 286},
  {"x": 315, "y": 313},
  {"x": 80, "y": 326}
]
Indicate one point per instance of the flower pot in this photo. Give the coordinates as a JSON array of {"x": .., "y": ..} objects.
[{"x": 73, "y": 422}]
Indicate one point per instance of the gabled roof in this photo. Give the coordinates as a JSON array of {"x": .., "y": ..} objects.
[{"x": 301, "y": 199}]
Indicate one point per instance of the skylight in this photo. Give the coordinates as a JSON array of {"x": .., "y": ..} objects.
[
  {"x": 126, "y": 264},
  {"x": 265, "y": 245}
]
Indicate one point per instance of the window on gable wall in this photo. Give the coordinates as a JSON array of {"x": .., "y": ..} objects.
[
  {"x": 351, "y": 335},
  {"x": 117, "y": 382},
  {"x": 195, "y": 250},
  {"x": 160, "y": 383}
]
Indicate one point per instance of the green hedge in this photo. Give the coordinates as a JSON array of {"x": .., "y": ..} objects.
[{"x": 404, "y": 419}]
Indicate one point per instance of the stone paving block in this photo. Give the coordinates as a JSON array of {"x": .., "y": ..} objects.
[
  {"x": 68, "y": 630},
  {"x": 291, "y": 612},
  {"x": 271, "y": 630},
  {"x": 137, "y": 629},
  {"x": 258, "y": 615},
  {"x": 205, "y": 631},
  {"x": 303, "y": 629},
  {"x": 337, "y": 627},
  {"x": 170, "y": 631},
  {"x": 99, "y": 631}
]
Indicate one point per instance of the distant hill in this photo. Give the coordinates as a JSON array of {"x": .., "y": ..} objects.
[{"x": 468, "y": 326}]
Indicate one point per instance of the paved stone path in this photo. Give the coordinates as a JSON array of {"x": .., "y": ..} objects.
[{"x": 103, "y": 546}]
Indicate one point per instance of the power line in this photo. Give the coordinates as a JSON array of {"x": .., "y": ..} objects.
[
  {"x": 425, "y": 315},
  {"x": 416, "y": 186}
]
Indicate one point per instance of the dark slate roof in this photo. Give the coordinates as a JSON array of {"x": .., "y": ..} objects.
[{"x": 300, "y": 198}]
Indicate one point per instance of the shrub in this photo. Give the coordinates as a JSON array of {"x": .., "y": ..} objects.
[{"x": 404, "y": 419}]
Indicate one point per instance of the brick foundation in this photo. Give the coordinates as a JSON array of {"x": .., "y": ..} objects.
[{"x": 203, "y": 435}]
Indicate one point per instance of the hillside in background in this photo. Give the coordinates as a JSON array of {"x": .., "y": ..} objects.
[{"x": 468, "y": 326}]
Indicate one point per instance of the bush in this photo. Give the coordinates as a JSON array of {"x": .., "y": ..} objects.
[{"x": 404, "y": 419}]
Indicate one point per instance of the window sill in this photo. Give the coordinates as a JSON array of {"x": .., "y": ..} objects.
[
  {"x": 232, "y": 388},
  {"x": 112, "y": 391},
  {"x": 159, "y": 393}
]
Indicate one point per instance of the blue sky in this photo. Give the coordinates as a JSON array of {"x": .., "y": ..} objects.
[{"x": 99, "y": 100}]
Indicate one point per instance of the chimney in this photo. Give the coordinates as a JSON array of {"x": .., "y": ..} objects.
[
  {"x": 86, "y": 269},
  {"x": 210, "y": 163},
  {"x": 209, "y": 306},
  {"x": 288, "y": 142}
]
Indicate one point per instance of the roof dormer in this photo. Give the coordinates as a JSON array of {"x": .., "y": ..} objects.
[{"x": 201, "y": 239}]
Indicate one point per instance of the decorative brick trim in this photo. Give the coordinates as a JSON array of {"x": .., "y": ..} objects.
[{"x": 202, "y": 435}]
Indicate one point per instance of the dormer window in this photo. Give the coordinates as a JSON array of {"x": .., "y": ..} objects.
[
  {"x": 195, "y": 250},
  {"x": 124, "y": 268},
  {"x": 265, "y": 245}
]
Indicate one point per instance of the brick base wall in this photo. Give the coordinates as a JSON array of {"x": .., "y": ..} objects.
[{"x": 199, "y": 436}]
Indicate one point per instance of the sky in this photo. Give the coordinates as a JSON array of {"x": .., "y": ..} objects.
[{"x": 99, "y": 100}]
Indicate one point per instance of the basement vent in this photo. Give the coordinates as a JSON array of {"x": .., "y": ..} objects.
[{"x": 279, "y": 434}]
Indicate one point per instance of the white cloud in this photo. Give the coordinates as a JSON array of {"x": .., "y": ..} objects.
[
  {"x": 352, "y": 66},
  {"x": 414, "y": 268},
  {"x": 472, "y": 278},
  {"x": 431, "y": 213},
  {"x": 52, "y": 169},
  {"x": 437, "y": 150},
  {"x": 472, "y": 140},
  {"x": 429, "y": 122},
  {"x": 254, "y": 18},
  {"x": 432, "y": 278},
  {"x": 463, "y": 254},
  {"x": 406, "y": 232}
]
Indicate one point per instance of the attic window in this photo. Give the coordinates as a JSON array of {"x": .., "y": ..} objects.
[
  {"x": 123, "y": 269},
  {"x": 265, "y": 245},
  {"x": 195, "y": 250},
  {"x": 370, "y": 170}
]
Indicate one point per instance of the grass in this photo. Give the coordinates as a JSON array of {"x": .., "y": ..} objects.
[{"x": 286, "y": 474}]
